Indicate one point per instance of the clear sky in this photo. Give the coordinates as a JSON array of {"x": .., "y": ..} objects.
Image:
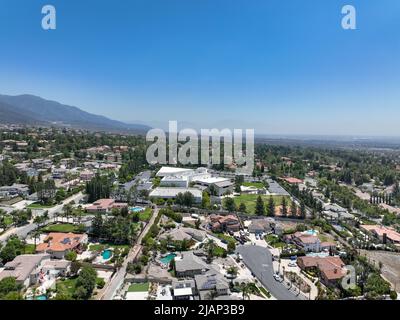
[{"x": 279, "y": 66}]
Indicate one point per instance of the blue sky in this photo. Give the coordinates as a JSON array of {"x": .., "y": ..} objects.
[{"x": 279, "y": 66}]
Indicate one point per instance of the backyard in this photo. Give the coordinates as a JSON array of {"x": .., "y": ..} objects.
[
  {"x": 258, "y": 185},
  {"x": 139, "y": 287},
  {"x": 250, "y": 201},
  {"x": 145, "y": 215},
  {"x": 63, "y": 227}
]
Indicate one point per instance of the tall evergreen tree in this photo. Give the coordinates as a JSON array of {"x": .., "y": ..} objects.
[
  {"x": 259, "y": 210},
  {"x": 271, "y": 207}
]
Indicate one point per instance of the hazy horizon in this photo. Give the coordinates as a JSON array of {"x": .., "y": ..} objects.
[{"x": 279, "y": 67}]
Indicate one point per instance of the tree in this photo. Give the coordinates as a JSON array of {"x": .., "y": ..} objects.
[
  {"x": 229, "y": 204},
  {"x": 85, "y": 283},
  {"x": 71, "y": 255},
  {"x": 246, "y": 289},
  {"x": 231, "y": 247},
  {"x": 293, "y": 209},
  {"x": 238, "y": 182},
  {"x": 271, "y": 207},
  {"x": 206, "y": 201},
  {"x": 259, "y": 209},
  {"x": 233, "y": 271},
  {"x": 97, "y": 225},
  {"x": 9, "y": 285},
  {"x": 284, "y": 207},
  {"x": 242, "y": 207},
  {"x": 99, "y": 187},
  {"x": 62, "y": 293},
  {"x": 303, "y": 211}
]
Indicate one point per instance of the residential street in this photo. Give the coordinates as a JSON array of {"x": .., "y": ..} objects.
[
  {"x": 117, "y": 280},
  {"x": 23, "y": 231},
  {"x": 259, "y": 261}
]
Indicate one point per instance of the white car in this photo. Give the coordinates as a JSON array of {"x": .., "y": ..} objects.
[{"x": 277, "y": 277}]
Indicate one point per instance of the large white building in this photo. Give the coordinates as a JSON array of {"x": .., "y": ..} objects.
[
  {"x": 171, "y": 193},
  {"x": 182, "y": 178},
  {"x": 222, "y": 185}
]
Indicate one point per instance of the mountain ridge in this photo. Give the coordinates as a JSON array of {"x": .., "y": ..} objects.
[{"x": 35, "y": 110}]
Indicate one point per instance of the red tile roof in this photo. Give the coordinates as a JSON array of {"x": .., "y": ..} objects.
[{"x": 60, "y": 242}]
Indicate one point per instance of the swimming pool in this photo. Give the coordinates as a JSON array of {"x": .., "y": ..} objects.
[
  {"x": 311, "y": 232},
  {"x": 41, "y": 297},
  {"x": 137, "y": 209},
  {"x": 168, "y": 258},
  {"x": 106, "y": 254}
]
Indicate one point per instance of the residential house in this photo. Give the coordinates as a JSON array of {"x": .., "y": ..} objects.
[
  {"x": 24, "y": 268},
  {"x": 307, "y": 242},
  {"x": 384, "y": 234},
  {"x": 331, "y": 269},
  {"x": 189, "y": 265},
  {"x": 58, "y": 244},
  {"x": 259, "y": 226},
  {"x": 219, "y": 223},
  {"x": 105, "y": 206},
  {"x": 184, "y": 289},
  {"x": 14, "y": 190},
  {"x": 207, "y": 283}
]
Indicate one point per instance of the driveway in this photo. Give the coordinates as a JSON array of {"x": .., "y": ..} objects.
[{"x": 259, "y": 261}]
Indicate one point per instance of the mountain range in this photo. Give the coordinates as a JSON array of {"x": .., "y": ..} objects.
[{"x": 33, "y": 110}]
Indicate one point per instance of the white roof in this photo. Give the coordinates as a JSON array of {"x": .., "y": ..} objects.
[
  {"x": 211, "y": 180},
  {"x": 173, "y": 192},
  {"x": 166, "y": 171},
  {"x": 183, "y": 292}
]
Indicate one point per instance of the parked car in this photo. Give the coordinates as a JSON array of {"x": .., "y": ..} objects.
[{"x": 277, "y": 277}]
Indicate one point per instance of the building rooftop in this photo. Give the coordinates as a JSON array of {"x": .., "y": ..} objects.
[
  {"x": 22, "y": 266},
  {"x": 60, "y": 242},
  {"x": 173, "y": 192}
]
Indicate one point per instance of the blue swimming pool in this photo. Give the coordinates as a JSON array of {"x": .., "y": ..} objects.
[
  {"x": 106, "y": 254},
  {"x": 168, "y": 258},
  {"x": 137, "y": 209},
  {"x": 41, "y": 297}
]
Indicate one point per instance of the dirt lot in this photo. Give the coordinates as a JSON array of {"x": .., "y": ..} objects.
[{"x": 390, "y": 265}]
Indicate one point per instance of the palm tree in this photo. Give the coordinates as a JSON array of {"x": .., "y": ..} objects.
[
  {"x": 210, "y": 247},
  {"x": 212, "y": 295},
  {"x": 246, "y": 289},
  {"x": 35, "y": 236},
  {"x": 67, "y": 209}
]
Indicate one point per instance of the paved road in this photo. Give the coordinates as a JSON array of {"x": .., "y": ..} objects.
[
  {"x": 259, "y": 261},
  {"x": 23, "y": 231},
  {"x": 117, "y": 280}
]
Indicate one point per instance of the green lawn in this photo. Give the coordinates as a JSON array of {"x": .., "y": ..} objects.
[
  {"x": 68, "y": 283},
  {"x": 30, "y": 249},
  {"x": 258, "y": 185},
  {"x": 8, "y": 220},
  {"x": 61, "y": 227},
  {"x": 274, "y": 241},
  {"x": 103, "y": 246},
  {"x": 250, "y": 201},
  {"x": 218, "y": 251},
  {"x": 224, "y": 237},
  {"x": 145, "y": 215},
  {"x": 139, "y": 287},
  {"x": 38, "y": 206}
]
